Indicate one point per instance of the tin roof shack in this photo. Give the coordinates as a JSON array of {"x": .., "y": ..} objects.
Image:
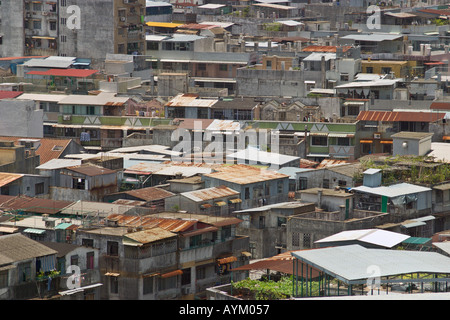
[
  {"x": 164, "y": 256},
  {"x": 216, "y": 201},
  {"x": 402, "y": 200},
  {"x": 153, "y": 197},
  {"x": 189, "y": 105},
  {"x": 85, "y": 182},
  {"x": 86, "y": 258},
  {"x": 22, "y": 259},
  {"x": 330, "y": 200},
  {"x": 186, "y": 184},
  {"x": 257, "y": 187},
  {"x": 304, "y": 229},
  {"x": 266, "y": 226}
]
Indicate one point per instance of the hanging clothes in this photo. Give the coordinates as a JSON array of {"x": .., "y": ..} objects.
[{"x": 85, "y": 136}]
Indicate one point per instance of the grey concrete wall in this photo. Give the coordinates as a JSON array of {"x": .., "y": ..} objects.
[
  {"x": 274, "y": 83},
  {"x": 21, "y": 119},
  {"x": 12, "y": 17},
  {"x": 95, "y": 38}
]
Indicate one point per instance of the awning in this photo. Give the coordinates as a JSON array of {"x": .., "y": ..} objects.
[
  {"x": 220, "y": 203},
  {"x": 446, "y": 138},
  {"x": 365, "y": 141},
  {"x": 62, "y": 226},
  {"x": 246, "y": 254},
  {"x": 44, "y": 38},
  {"x": 341, "y": 135},
  {"x": 206, "y": 206},
  {"x": 34, "y": 231},
  {"x": 8, "y": 229},
  {"x": 81, "y": 289},
  {"x": 226, "y": 260},
  {"x": 386, "y": 141},
  {"x": 445, "y": 186},
  {"x": 112, "y": 274},
  {"x": 235, "y": 200},
  {"x": 172, "y": 274},
  {"x": 319, "y": 134}
]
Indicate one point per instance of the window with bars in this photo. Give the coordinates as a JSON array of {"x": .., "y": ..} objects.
[
  {"x": 306, "y": 240},
  {"x": 295, "y": 239}
]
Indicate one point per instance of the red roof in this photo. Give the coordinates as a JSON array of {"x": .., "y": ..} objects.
[
  {"x": 19, "y": 58},
  {"x": 78, "y": 73},
  {"x": 392, "y": 116},
  {"x": 9, "y": 94},
  {"x": 440, "y": 106}
]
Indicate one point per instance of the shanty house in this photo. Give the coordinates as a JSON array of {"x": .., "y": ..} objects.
[
  {"x": 217, "y": 201},
  {"x": 21, "y": 260},
  {"x": 257, "y": 187}
]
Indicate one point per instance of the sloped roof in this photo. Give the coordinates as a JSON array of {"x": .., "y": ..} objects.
[
  {"x": 49, "y": 148},
  {"x": 34, "y": 205},
  {"x": 17, "y": 247},
  {"x": 149, "y": 194},
  {"x": 244, "y": 174},
  {"x": 150, "y": 235},
  {"x": 91, "y": 169},
  {"x": 6, "y": 178},
  {"x": 391, "y": 116},
  {"x": 9, "y": 94},
  {"x": 210, "y": 193},
  {"x": 377, "y": 237}
]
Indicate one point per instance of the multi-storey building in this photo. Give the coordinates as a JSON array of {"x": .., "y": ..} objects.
[{"x": 80, "y": 28}]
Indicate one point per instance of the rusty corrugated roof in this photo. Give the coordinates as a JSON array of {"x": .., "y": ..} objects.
[
  {"x": 210, "y": 193},
  {"x": 394, "y": 116},
  {"x": 34, "y": 205},
  {"x": 244, "y": 174},
  {"x": 331, "y": 49},
  {"x": 150, "y": 194},
  {"x": 150, "y": 235}
]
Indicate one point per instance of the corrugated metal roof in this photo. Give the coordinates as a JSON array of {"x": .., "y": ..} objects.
[
  {"x": 34, "y": 205},
  {"x": 150, "y": 235},
  {"x": 91, "y": 169},
  {"x": 378, "y": 237},
  {"x": 393, "y": 190},
  {"x": 6, "y": 178},
  {"x": 351, "y": 263},
  {"x": 150, "y": 194},
  {"x": 76, "y": 73},
  {"x": 392, "y": 116},
  {"x": 58, "y": 164},
  {"x": 149, "y": 222},
  {"x": 190, "y": 100},
  {"x": 210, "y": 193},
  {"x": 244, "y": 174},
  {"x": 17, "y": 247},
  {"x": 262, "y": 157},
  {"x": 317, "y": 56}
]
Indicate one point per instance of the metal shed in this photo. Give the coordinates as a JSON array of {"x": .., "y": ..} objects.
[{"x": 355, "y": 265}]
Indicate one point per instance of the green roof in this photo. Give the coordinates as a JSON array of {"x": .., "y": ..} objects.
[{"x": 417, "y": 240}]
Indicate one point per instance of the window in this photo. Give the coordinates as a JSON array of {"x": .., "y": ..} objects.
[
  {"x": 343, "y": 141},
  {"x": 79, "y": 183},
  {"x": 295, "y": 239},
  {"x": 74, "y": 260},
  {"x": 37, "y": 24},
  {"x": 281, "y": 221},
  {"x": 147, "y": 285},
  {"x": 24, "y": 272},
  {"x": 326, "y": 183},
  {"x": 262, "y": 222},
  {"x": 268, "y": 64},
  {"x": 194, "y": 241},
  {"x": 247, "y": 193},
  {"x": 87, "y": 243},
  {"x": 37, "y": 6},
  {"x": 39, "y": 188},
  {"x": 201, "y": 67},
  {"x": 369, "y": 70},
  {"x": 342, "y": 183},
  {"x": 167, "y": 283},
  {"x": 353, "y": 110},
  {"x": 280, "y": 187},
  {"x": 344, "y": 77},
  {"x": 52, "y": 25},
  {"x": 112, "y": 248},
  {"x": 152, "y": 45},
  {"x": 63, "y": 21},
  {"x": 319, "y": 141},
  {"x": 223, "y": 67},
  {"x": 306, "y": 240},
  {"x": 302, "y": 183},
  {"x": 386, "y": 70},
  {"x": 63, "y": 38},
  {"x": 200, "y": 273}
]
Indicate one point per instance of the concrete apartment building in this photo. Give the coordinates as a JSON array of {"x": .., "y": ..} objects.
[{"x": 66, "y": 28}]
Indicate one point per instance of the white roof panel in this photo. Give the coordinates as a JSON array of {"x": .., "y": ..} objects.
[
  {"x": 352, "y": 263},
  {"x": 393, "y": 191},
  {"x": 378, "y": 237}
]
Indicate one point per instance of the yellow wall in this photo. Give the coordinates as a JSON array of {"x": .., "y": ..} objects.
[
  {"x": 400, "y": 68},
  {"x": 7, "y": 156}
]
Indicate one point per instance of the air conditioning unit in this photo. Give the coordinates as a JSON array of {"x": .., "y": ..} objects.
[
  {"x": 50, "y": 224},
  {"x": 66, "y": 117},
  {"x": 123, "y": 19},
  {"x": 125, "y": 1},
  {"x": 377, "y": 135}
]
